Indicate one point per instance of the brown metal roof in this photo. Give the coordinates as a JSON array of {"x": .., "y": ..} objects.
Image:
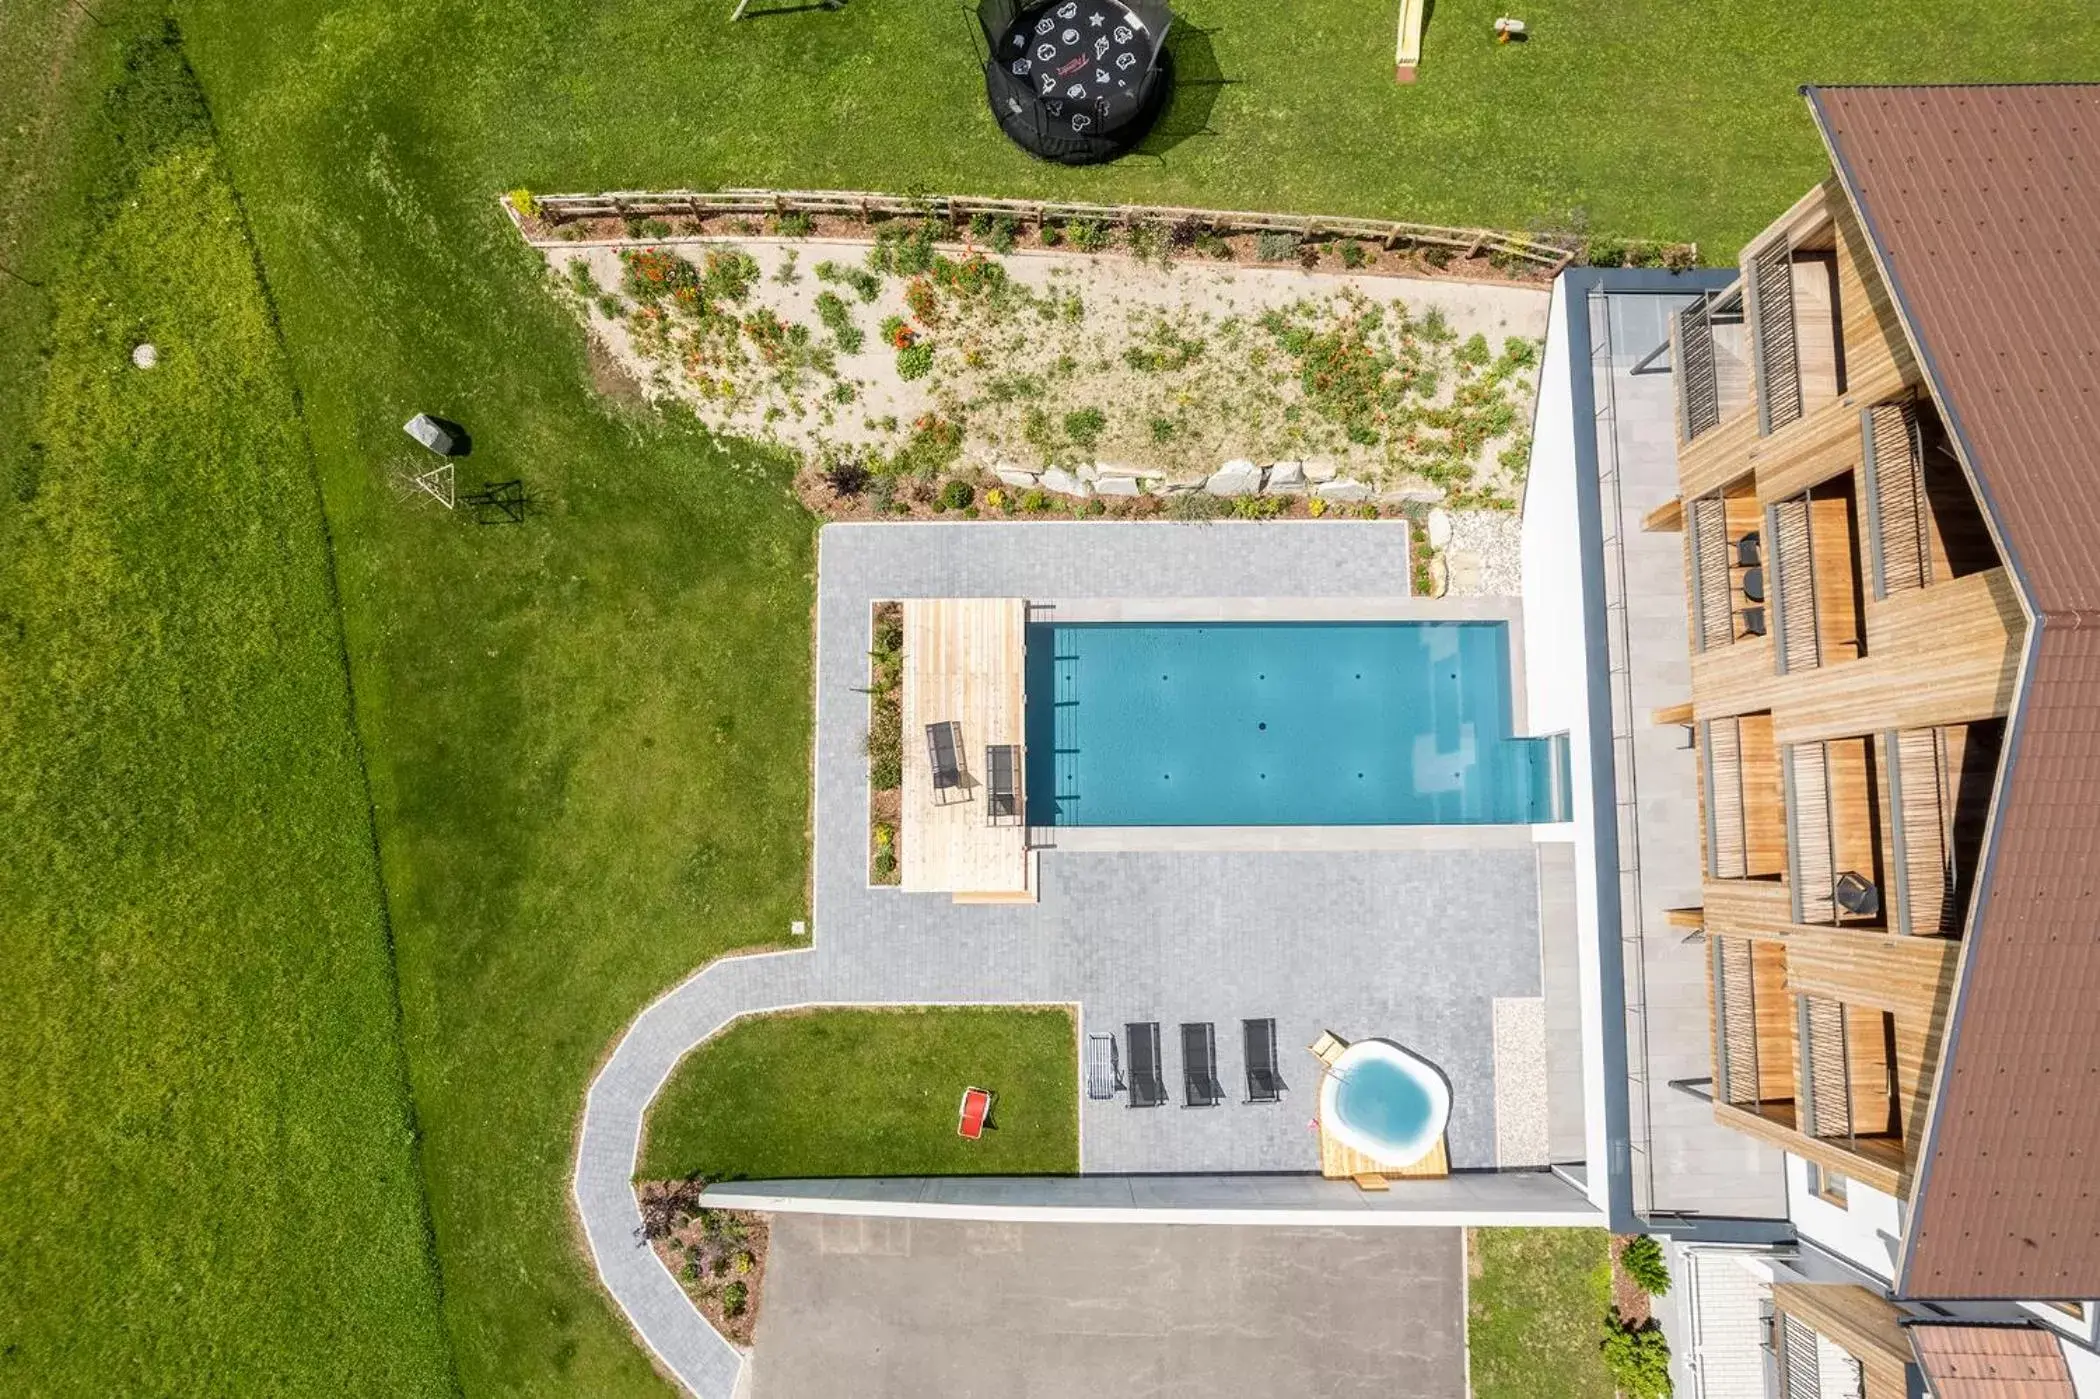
[
  {"x": 1992, "y": 1362},
  {"x": 1983, "y": 206}
]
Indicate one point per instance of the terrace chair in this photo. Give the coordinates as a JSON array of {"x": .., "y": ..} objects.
[
  {"x": 1002, "y": 796},
  {"x": 1749, "y": 551},
  {"x": 975, "y": 1113},
  {"x": 1264, "y": 1082},
  {"x": 1104, "y": 1074},
  {"x": 1199, "y": 1066},
  {"x": 944, "y": 749},
  {"x": 1148, "y": 1085},
  {"x": 1328, "y": 1047}
]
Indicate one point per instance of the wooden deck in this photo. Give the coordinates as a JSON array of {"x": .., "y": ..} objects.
[{"x": 963, "y": 663}]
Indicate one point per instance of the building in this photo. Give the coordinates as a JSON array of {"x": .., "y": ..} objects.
[{"x": 1888, "y": 504}]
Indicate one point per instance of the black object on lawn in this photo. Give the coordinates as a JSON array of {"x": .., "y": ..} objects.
[{"x": 1076, "y": 81}]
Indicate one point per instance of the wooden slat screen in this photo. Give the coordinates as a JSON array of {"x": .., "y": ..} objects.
[
  {"x": 1778, "y": 353},
  {"x": 1794, "y": 585},
  {"x": 1800, "y": 1370},
  {"x": 1716, "y": 599},
  {"x": 1735, "y": 1022},
  {"x": 1697, "y": 383},
  {"x": 1922, "y": 825},
  {"x": 1727, "y": 832},
  {"x": 1826, "y": 1071},
  {"x": 1899, "y": 491},
  {"x": 1811, "y": 864}
]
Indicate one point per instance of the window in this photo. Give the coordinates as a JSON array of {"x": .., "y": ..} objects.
[{"x": 1826, "y": 1185}]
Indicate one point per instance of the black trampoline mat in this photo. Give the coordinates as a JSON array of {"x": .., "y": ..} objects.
[{"x": 1085, "y": 59}]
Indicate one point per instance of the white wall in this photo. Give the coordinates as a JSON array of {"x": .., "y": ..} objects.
[
  {"x": 1863, "y": 1231},
  {"x": 1556, "y": 685}
]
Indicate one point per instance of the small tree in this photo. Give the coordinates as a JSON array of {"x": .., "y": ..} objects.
[
  {"x": 1638, "y": 1358},
  {"x": 1642, "y": 1258}
]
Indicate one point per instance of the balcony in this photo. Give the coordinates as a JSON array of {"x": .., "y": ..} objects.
[
  {"x": 1837, "y": 818},
  {"x": 1924, "y": 524},
  {"x": 1712, "y": 353},
  {"x": 1818, "y": 598},
  {"x": 1726, "y": 564},
  {"x": 1753, "y": 1033},
  {"x": 1939, "y": 795}
]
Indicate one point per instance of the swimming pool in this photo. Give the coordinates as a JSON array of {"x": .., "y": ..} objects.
[
  {"x": 1281, "y": 724},
  {"x": 1384, "y": 1102}
]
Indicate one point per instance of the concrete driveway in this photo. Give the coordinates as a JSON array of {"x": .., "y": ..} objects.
[{"x": 875, "y": 1307}]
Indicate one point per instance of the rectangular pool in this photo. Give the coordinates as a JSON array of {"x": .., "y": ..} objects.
[{"x": 1281, "y": 724}]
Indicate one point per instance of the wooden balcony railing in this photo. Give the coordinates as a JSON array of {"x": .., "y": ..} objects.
[
  {"x": 1727, "y": 829},
  {"x": 1778, "y": 353},
  {"x": 1895, "y": 476},
  {"x": 1921, "y": 793}
]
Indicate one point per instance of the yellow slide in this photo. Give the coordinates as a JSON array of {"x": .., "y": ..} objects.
[{"x": 1410, "y": 52}]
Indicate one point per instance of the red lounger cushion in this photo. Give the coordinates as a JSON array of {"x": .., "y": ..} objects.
[{"x": 976, "y": 1107}]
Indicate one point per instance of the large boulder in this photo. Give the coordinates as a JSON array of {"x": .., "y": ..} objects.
[
  {"x": 1020, "y": 478},
  {"x": 1236, "y": 477},
  {"x": 1286, "y": 478},
  {"x": 1343, "y": 492},
  {"x": 1439, "y": 527},
  {"x": 1059, "y": 481},
  {"x": 1321, "y": 468},
  {"x": 1116, "y": 485}
]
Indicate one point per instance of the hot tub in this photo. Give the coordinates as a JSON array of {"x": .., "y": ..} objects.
[{"x": 1384, "y": 1102}]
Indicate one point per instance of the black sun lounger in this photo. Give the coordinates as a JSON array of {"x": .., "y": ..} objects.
[
  {"x": 1148, "y": 1086},
  {"x": 1264, "y": 1083},
  {"x": 1104, "y": 1075},
  {"x": 1002, "y": 797},
  {"x": 1199, "y": 1066},
  {"x": 944, "y": 748}
]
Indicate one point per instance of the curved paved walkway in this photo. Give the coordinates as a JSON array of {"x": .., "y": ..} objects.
[{"x": 1156, "y": 923}]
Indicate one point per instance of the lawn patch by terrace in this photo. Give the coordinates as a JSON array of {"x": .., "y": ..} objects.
[
  {"x": 1536, "y": 1308},
  {"x": 860, "y": 1092}
]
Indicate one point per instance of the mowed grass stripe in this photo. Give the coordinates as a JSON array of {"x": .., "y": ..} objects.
[
  {"x": 209, "y": 1177},
  {"x": 871, "y": 1092}
]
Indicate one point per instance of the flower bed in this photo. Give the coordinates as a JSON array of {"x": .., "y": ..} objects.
[
  {"x": 885, "y": 743},
  {"x": 718, "y": 1256}
]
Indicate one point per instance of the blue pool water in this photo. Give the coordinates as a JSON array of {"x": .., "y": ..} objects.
[
  {"x": 1383, "y": 1101},
  {"x": 1281, "y": 724}
]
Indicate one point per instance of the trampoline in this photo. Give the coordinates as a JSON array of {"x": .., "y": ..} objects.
[{"x": 1075, "y": 81}]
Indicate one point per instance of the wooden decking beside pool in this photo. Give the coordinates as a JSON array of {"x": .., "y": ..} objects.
[{"x": 964, "y": 661}]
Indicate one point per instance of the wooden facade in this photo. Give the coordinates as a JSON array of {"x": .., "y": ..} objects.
[
  {"x": 1859, "y": 1324},
  {"x": 1855, "y": 646}
]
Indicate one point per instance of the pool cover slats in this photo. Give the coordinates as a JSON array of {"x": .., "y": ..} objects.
[{"x": 1281, "y": 724}]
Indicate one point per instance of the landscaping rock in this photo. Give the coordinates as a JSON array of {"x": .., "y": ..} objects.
[
  {"x": 1086, "y": 470},
  {"x": 1320, "y": 468},
  {"x": 1417, "y": 496},
  {"x": 1116, "y": 485},
  {"x": 1059, "y": 481},
  {"x": 1439, "y": 527},
  {"x": 1236, "y": 477},
  {"x": 1019, "y": 479},
  {"x": 1343, "y": 492},
  {"x": 1285, "y": 478}
]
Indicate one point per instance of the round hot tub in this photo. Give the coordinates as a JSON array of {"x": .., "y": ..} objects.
[{"x": 1384, "y": 1102}]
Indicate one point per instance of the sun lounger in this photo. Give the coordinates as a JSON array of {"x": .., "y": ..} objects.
[
  {"x": 1104, "y": 1075},
  {"x": 975, "y": 1112},
  {"x": 1199, "y": 1066},
  {"x": 944, "y": 749},
  {"x": 1002, "y": 794},
  {"x": 1148, "y": 1085},
  {"x": 1264, "y": 1082}
]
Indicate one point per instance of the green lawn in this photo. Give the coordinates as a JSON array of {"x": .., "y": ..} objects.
[
  {"x": 588, "y": 738},
  {"x": 209, "y": 1169},
  {"x": 1536, "y": 1304},
  {"x": 871, "y": 1093}
]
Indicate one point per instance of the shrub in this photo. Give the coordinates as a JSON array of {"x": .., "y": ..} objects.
[
  {"x": 1092, "y": 506},
  {"x": 848, "y": 476},
  {"x": 865, "y": 284},
  {"x": 897, "y": 334},
  {"x": 1211, "y": 245},
  {"x": 611, "y": 307},
  {"x": 1316, "y": 507},
  {"x": 1644, "y": 255},
  {"x": 524, "y": 203},
  {"x": 1257, "y": 507},
  {"x": 730, "y": 274},
  {"x": 838, "y": 319},
  {"x": 1162, "y": 429},
  {"x": 1605, "y": 252},
  {"x": 1184, "y": 232},
  {"x": 580, "y": 279},
  {"x": 795, "y": 224},
  {"x": 1638, "y": 1358},
  {"x": 1275, "y": 246},
  {"x": 1437, "y": 255},
  {"x": 1035, "y": 502},
  {"x": 735, "y": 1297},
  {"x": 914, "y": 361},
  {"x": 886, "y": 747},
  {"x": 1642, "y": 1258},
  {"x": 651, "y": 228},
  {"x": 1474, "y": 351},
  {"x": 745, "y": 1262},
  {"x": 1084, "y": 426},
  {"x": 997, "y": 231},
  {"x": 884, "y": 865},
  {"x": 1197, "y": 505},
  {"x": 1148, "y": 243},
  {"x": 955, "y": 495},
  {"x": 655, "y": 273},
  {"x": 925, "y": 304},
  {"x": 995, "y": 499},
  {"x": 1051, "y": 235},
  {"x": 1308, "y": 255},
  {"x": 1090, "y": 235},
  {"x": 1679, "y": 257},
  {"x": 1353, "y": 254},
  {"x": 882, "y": 493}
]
